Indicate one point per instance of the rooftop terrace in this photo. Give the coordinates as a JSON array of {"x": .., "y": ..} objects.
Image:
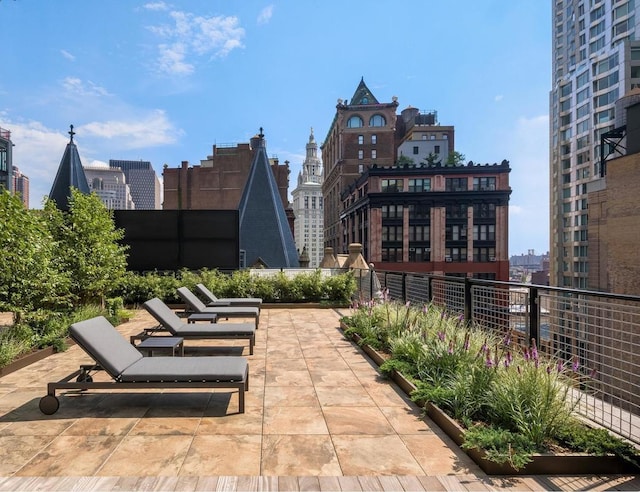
[{"x": 319, "y": 416}]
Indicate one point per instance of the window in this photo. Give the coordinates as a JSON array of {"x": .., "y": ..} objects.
[
  {"x": 484, "y": 184},
  {"x": 355, "y": 122},
  {"x": 392, "y": 233},
  {"x": 458, "y": 211},
  {"x": 605, "y": 99},
  {"x": 436, "y": 149},
  {"x": 313, "y": 202},
  {"x": 582, "y": 79},
  {"x": 391, "y": 254},
  {"x": 582, "y": 127},
  {"x": 419, "y": 233},
  {"x": 374, "y": 139},
  {"x": 360, "y": 139},
  {"x": 416, "y": 150},
  {"x": 391, "y": 185},
  {"x": 582, "y": 111},
  {"x": 597, "y": 29},
  {"x": 455, "y": 254},
  {"x": 419, "y": 254},
  {"x": 377, "y": 120},
  {"x": 484, "y": 211},
  {"x": 565, "y": 90},
  {"x": 605, "y": 82},
  {"x": 456, "y": 184},
  {"x": 456, "y": 232},
  {"x": 419, "y": 185},
  {"x": 418, "y": 212},
  {"x": 306, "y": 202},
  {"x": 484, "y": 232},
  {"x": 582, "y": 95},
  {"x": 374, "y": 153},
  {"x": 484, "y": 254},
  {"x": 392, "y": 211},
  {"x": 360, "y": 154},
  {"x": 606, "y": 64}
]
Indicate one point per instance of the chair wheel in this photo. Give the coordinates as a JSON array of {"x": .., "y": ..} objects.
[
  {"x": 49, "y": 404},
  {"x": 84, "y": 378}
]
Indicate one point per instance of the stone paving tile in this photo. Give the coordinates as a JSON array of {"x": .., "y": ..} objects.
[{"x": 319, "y": 416}]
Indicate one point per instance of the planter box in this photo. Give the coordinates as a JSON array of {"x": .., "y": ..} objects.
[
  {"x": 28, "y": 359},
  {"x": 541, "y": 464}
]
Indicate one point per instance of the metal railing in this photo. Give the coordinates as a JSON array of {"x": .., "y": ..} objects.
[{"x": 599, "y": 332}]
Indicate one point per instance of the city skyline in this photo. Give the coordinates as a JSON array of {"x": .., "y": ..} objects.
[{"x": 165, "y": 81}]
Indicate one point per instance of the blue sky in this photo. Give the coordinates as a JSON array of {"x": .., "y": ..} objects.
[{"x": 165, "y": 81}]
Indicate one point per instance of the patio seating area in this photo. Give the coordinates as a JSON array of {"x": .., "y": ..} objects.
[{"x": 318, "y": 416}]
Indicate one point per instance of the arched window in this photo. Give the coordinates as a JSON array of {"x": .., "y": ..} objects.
[
  {"x": 355, "y": 122},
  {"x": 377, "y": 120}
]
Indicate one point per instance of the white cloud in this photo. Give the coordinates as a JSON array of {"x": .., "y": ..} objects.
[
  {"x": 156, "y": 6},
  {"x": 265, "y": 15},
  {"x": 190, "y": 36},
  {"x": 151, "y": 130},
  {"x": 68, "y": 55},
  {"x": 498, "y": 98},
  {"x": 78, "y": 88}
]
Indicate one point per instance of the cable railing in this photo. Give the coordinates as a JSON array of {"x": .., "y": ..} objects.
[{"x": 597, "y": 332}]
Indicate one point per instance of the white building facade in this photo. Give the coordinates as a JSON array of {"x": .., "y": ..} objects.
[
  {"x": 308, "y": 206},
  {"x": 596, "y": 61},
  {"x": 111, "y": 186}
]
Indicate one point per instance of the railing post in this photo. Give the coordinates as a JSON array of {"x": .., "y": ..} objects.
[
  {"x": 430, "y": 288},
  {"x": 404, "y": 287},
  {"x": 534, "y": 315},
  {"x": 371, "y": 281},
  {"x": 468, "y": 311}
]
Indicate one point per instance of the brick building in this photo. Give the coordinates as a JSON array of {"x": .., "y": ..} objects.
[
  {"x": 395, "y": 184},
  {"x": 450, "y": 220},
  {"x": 218, "y": 182},
  {"x": 362, "y": 133}
]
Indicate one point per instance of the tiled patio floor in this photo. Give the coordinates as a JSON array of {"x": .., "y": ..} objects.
[{"x": 319, "y": 416}]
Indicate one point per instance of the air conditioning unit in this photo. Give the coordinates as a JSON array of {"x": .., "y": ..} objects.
[
  {"x": 492, "y": 258},
  {"x": 448, "y": 259}
]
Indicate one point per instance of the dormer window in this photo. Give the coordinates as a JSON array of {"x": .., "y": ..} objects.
[
  {"x": 377, "y": 120},
  {"x": 355, "y": 122}
]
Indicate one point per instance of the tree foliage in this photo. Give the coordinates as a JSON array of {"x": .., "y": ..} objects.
[
  {"x": 455, "y": 158},
  {"x": 30, "y": 276},
  {"x": 89, "y": 246}
]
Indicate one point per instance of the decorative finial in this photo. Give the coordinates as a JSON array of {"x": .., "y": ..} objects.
[
  {"x": 72, "y": 133},
  {"x": 261, "y": 135}
]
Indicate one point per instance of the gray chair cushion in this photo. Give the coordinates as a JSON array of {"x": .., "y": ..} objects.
[
  {"x": 163, "y": 314},
  {"x": 105, "y": 345},
  {"x": 198, "y": 306},
  {"x": 233, "y": 301},
  {"x": 184, "y": 369}
]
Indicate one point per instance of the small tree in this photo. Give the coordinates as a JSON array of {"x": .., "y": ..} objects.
[
  {"x": 403, "y": 159},
  {"x": 90, "y": 248},
  {"x": 455, "y": 158},
  {"x": 30, "y": 277},
  {"x": 433, "y": 159}
]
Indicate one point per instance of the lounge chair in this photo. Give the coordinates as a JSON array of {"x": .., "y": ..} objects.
[
  {"x": 169, "y": 321},
  {"x": 211, "y": 300},
  {"x": 130, "y": 370},
  {"x": 195, "y": 305}
]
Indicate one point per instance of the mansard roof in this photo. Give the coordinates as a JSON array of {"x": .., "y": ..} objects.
[
  {"x": 70, "y": 174},
  {"x": 265, "y": 235},
  {"x": 363, "y": 95}
]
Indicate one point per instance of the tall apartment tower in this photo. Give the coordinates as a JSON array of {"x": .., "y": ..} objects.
[
  {"x": 21, "y": 186},
  {"x": 596, "y": 61},
  {"x": 308, "y": 206},
  {"x": 6, "y": 167},
  {"x": 362, "y": 134},
  {"x": 143, "y": 182}
]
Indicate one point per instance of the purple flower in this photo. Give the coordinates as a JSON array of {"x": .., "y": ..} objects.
[
  {"x": 507, "y": 339},
  {"x": 560, "y": 365},
  {"x": 576, "y": 364},
  {"x": 441, "y": 336},
  {"x": 526, "y": 354}
]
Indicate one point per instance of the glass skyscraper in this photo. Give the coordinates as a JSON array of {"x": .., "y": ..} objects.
[{"x": 596, "y": 61}]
